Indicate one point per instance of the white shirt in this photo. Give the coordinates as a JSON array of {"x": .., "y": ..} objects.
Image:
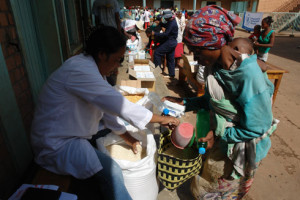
[
  {"x": 133, "y": 46},
  {"x": 72, "y": 102},
  {"x": 147, "y": 16},
  {"x": 105, "y": 10},
  {"x": 181, "y": 26}
]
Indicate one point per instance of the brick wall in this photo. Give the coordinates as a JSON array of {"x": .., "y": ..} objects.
[
  {"x": 15, "y": 63},
  {"x": 17, "y": 72},
  {"x": 133, "y": 3},
  {"x": 270, "y": 5}
]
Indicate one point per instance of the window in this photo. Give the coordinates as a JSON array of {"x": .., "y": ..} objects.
[{"x": 72, "y": 27}]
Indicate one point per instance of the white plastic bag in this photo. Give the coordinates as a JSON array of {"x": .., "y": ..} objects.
[
  {"x": 125, "y": 90},
  {"x": 140, "y": 176}
]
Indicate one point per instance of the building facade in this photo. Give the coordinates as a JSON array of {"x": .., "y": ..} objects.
[
  {"x": 237, "y": 6},
  {"x": 36, "y": 37}
]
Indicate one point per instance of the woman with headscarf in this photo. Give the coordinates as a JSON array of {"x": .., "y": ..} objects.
[{"x": 239, "y": 103}]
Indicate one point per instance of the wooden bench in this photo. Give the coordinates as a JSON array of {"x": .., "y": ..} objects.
[
  {"x": 185, "y": 74},
  {"x": 45, "y": 177}
]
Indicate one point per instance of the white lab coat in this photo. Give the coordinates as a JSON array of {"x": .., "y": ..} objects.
[{"x": 72, "y": 102}]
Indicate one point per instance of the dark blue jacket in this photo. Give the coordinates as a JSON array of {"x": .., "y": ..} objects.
[{"x": 171, "y": 32}]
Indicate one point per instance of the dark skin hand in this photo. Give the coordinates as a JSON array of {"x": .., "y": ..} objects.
[
  {"x": 210, "y": 139},
  {"x": 131, "y": 141},
  {"x": 167, "y": 121}
]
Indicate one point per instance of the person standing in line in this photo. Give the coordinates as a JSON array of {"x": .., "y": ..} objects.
[
  {"x": 147, "y": 18},
  {"x": 266, "y": 39},
  {"x": 179, "y": 48},
  {"x": 168, "y": 47},
  {"x": 107, "y": 12}
]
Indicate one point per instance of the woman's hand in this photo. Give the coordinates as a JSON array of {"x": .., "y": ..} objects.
[
  {"x": 210, "y": 139},
  {"x": 169, "y": 122},
  {"x": 131, "y": 141},
  {"x": 228, "y": 56},
  {"x": 173, "y": 99}
]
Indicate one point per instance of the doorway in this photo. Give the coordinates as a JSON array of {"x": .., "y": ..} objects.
[{"x": 166, "y": 4}]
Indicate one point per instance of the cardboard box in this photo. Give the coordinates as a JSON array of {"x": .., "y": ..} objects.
[
  {"x": 147, "y": 80},
  {"x": 131, "y": 83}
]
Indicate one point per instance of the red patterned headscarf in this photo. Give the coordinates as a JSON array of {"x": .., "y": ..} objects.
[{"x": 211, "y": 27}]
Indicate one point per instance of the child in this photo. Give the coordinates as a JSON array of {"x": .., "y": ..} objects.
[
  {"x": 150, "y": 44},
  {"x": 256, "y": 33},
  {"x": 133, "y": 43}
]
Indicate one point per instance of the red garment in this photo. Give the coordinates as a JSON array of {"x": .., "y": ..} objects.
[
  {"x": 253, "y": 34},
  {"x": 178, "y": 50},
  {"x": 211, "y": 27},
  {"x": 151, "y": 48},
  {"x": 147, "y": 24}
]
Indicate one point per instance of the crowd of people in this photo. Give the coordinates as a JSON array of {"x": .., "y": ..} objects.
[{"x": 238, "y": 96}]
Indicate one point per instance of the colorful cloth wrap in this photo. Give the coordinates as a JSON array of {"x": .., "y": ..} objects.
[{"x": 211, "y": 27}]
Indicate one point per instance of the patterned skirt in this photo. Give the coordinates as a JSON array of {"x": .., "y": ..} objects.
[{"x": 215, "y": 181}]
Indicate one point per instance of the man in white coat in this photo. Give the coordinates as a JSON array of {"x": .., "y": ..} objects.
[{"x": 73, "y": 101}]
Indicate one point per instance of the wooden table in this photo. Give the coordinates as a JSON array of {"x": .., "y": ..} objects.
[{"x": 275, "y": 73}]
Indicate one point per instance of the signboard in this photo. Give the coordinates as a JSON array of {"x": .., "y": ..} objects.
[{"x": 251, "y": 19}]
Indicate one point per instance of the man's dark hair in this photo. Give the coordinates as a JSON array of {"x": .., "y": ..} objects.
[
  {"x": 148, "y": 30},
  {"x": 104, "y": 39}
]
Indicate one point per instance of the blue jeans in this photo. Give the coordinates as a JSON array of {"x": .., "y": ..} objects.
[{"x": 110, "y": 179}]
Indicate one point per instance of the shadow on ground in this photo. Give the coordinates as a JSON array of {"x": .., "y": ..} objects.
[{"x": 287, "y": 47}]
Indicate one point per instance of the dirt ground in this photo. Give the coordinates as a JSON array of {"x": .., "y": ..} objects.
[{"x": 278, "y": 177}]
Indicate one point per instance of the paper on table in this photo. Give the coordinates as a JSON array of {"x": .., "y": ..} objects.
[
  {"x": 142, "y": 68},
  {"x": 144, "y": 75}
]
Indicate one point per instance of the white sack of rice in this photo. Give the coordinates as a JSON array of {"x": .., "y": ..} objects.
[{"x": 124, "y": 152}]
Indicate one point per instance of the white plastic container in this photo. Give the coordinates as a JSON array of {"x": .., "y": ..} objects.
[
  {"x": 142, "y": 55},
  {"x": 131, "y": 56}
]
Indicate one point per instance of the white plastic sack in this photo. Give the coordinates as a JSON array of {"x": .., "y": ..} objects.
[
  {"x": 140, "y": 176},
  {"x": 126, "y": 90},
  {"x": 145, "y": 101},
  {"x": 200, "y": 74}
]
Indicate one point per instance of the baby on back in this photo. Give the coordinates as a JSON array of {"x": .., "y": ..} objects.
[
  {"x": 245, "y": 47},
  {"x": 249, "y": 87}
]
